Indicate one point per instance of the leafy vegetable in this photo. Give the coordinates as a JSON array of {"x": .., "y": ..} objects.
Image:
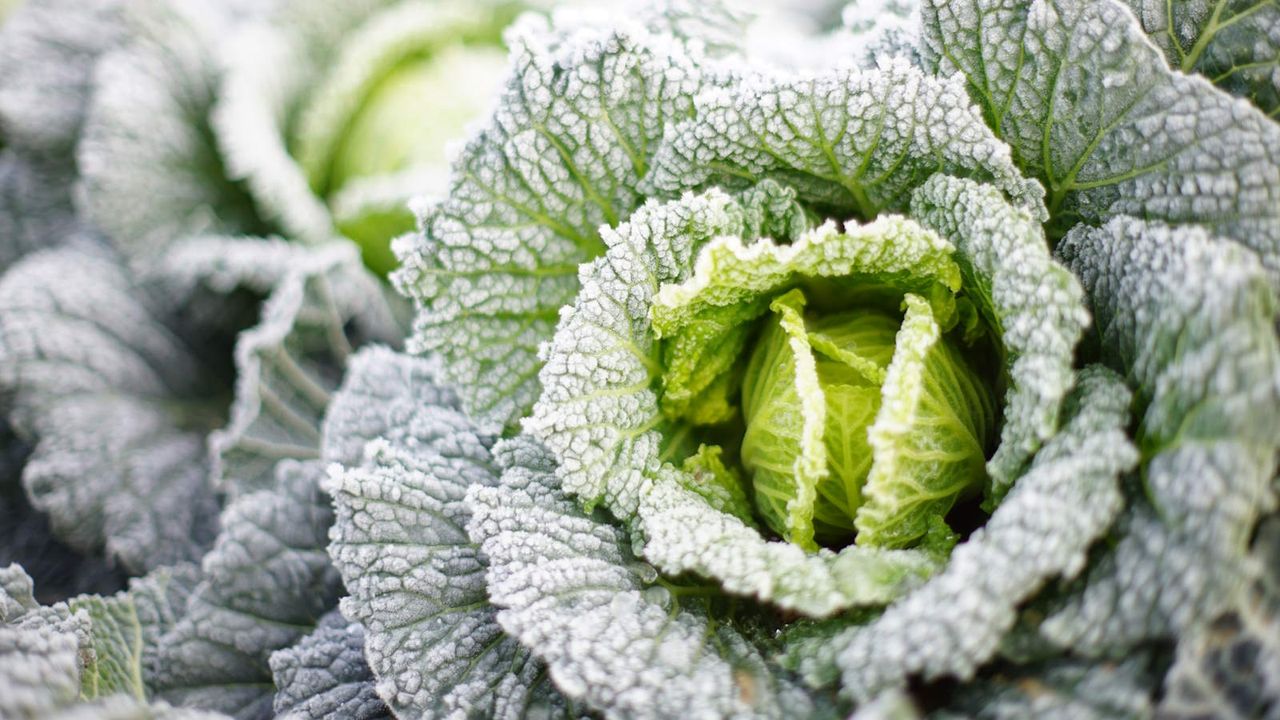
[{"x": 924, "y": 362}]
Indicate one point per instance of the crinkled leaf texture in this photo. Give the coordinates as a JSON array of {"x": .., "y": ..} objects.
[
  {"x": 265, "y": 584},
  {"x": 416, "y": 580},
  {"x": 39, "y": 648},
  {"x": 1189, "y": 319},
  {"x": 851, "y": 142},
  {"x": 325, "y": 675},
  {"x": 1233, "y": 43},
  {"x": 573, "y": 593},
  {"x": 323, "y": 306},
  {"x": 117, "y": 380},
  {"x": 599, "y": 416},
  {"x": 1091, "y": 110},
  {"x": 562, "y": 155},
  {"x": 147, "y": 135},
  {"x": 83, "y": 659},
  {"x": 1043, "y": 530},
  {"x": 109, "y": 392},
  {"x": 115, "y": 405},
  {"x": 1034, "y": 305}
]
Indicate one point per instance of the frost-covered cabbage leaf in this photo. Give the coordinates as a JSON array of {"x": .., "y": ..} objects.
[
  {"x": 117, "y": 380},
  {"x": 325, "y": 675},
  {"x": 1090, "y": 109},
  {"x": 264, "y": 585},
  {"x": 416, "y": 580},
  {"x": 663, "y": 338},
  {"x": 147, "y": 131},
  {"x": 86, "y": 332},
  {"x": 267, "y": 580},
  {"x": 563, "y": 154},
  {"x": 1233, "y": 43},
  {"x": 1189, "y": 319},
  {"x": 335, "y": 113},
  {"x": 821, "y": 340},
  {"x": 613, "y": 635},
  {"x": 115, "y": 406},
  {"x": 291, "y": 362},
  {"x": 83, "y": 658},
  {"x": 796, "y": 420}
]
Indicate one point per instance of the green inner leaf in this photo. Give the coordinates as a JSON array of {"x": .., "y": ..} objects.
[
  {"x": 929, "y": 438},
  {"x": 409, "y": 117},
  {"x": 785, "y": 411}
]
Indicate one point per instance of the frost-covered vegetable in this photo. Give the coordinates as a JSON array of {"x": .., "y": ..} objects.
[{"x": 941, "y": 378}]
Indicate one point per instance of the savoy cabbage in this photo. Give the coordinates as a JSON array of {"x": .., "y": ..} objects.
[{"x": 926, "y": 366}]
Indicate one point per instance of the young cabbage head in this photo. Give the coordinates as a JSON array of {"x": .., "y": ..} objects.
[
  {"x": 845, "y": 373},
  {"x": 851, "y": 397}
]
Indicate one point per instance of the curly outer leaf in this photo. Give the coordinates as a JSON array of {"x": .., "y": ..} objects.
[
  {"x": 1043, "y": 530},
  {"x": 602, "y": 436},
  {"x": 1189, "y": 318},
  {"x": 83, "y": 659},
  {"x": 268, "y": 578},
  {"x": 215, "y": 655},
  {"x": 113, "y": 403},
  {"x": 125, "y": 625},
  {"x": 854, "y": 141},
  {"x": 1092, "y": 111},
  {"x": 325, "y": 675},
  {"x": 599, "y": 410},
  {"x": 562, "y": 155},
  {"x": 288, "y": 365},
  {"x": 40, "y": 649},
  {"x": 416, "y": 581},
  {"x": 1032, "y": 303},
  {"x": 572, "y": 592},
  {"x": 381, "y": 394}
]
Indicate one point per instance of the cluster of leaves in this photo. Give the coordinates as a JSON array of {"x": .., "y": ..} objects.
[
  {"x": 180, "y": 303},
  {"x": 939, "y": 376}
]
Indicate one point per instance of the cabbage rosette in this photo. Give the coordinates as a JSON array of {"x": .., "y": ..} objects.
[{"x": 789, "y": 380}]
